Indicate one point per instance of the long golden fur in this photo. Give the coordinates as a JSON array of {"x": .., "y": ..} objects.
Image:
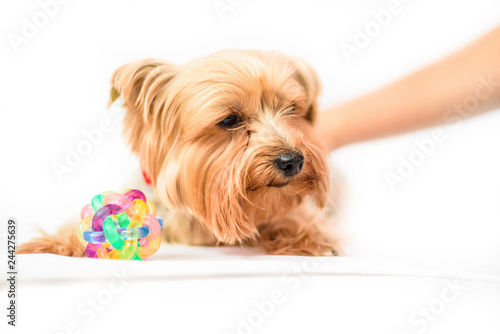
[{"x": 221, "y": 185}]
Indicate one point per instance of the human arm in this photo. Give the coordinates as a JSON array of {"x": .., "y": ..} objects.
[{"x": 421, "y": 99}]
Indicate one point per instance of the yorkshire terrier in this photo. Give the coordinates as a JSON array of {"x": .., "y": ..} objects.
[{"x": 227, "y": 141}]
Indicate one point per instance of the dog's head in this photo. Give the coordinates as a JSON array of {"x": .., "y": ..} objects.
[{"x": 226, "y": 138}]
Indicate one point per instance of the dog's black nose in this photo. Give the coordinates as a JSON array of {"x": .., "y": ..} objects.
[{"x": 290, "y": 163}]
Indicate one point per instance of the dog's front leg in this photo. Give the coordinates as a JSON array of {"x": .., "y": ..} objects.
[{"x": 301, "y": 232}]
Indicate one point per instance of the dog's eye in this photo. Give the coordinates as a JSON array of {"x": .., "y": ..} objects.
[
  {"x": 230, "y": 122},
  {"x": 290, "y": 110}
]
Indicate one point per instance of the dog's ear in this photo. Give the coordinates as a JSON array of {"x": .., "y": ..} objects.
[
  {"x": 141, "y": 84},
  {"x": 308, "y": 78}
]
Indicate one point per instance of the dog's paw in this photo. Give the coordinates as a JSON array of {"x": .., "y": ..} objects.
[
  {"x": 284, "y": 240},
  {"x": 337, "y": 251}
]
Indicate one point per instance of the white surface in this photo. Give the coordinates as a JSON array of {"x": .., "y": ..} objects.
[
  {"x": 445, "y": 216},
  {"x": 213, "y": 290},
  {"x": 185, "y": 262}
]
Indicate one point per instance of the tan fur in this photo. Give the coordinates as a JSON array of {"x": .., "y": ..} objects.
[
  {"x": 63, "y": 242},
  {"x": 220, "y": 186}
]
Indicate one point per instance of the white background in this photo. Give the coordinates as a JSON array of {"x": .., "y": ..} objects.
[{"x": 56, "y": 86}]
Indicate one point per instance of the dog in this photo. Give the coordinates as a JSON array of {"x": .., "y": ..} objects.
[{"x": 228, "y": 143}]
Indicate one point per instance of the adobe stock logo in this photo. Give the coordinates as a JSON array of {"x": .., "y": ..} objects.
[
  {"x": 90, "y": 309},
  {"x": 427, "y": 314},
  {"x": 31, "y": 26},
  {"x": 92, "y": 138},
  {"x": 223, "y": 6},
  {"x": 264, "y": 309},
  {"x": 425, "y": 148},
  {"x": 407, "y": 165},
  {"x": 84, "y": 147},
  {"x": 363, "y": 36}
]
